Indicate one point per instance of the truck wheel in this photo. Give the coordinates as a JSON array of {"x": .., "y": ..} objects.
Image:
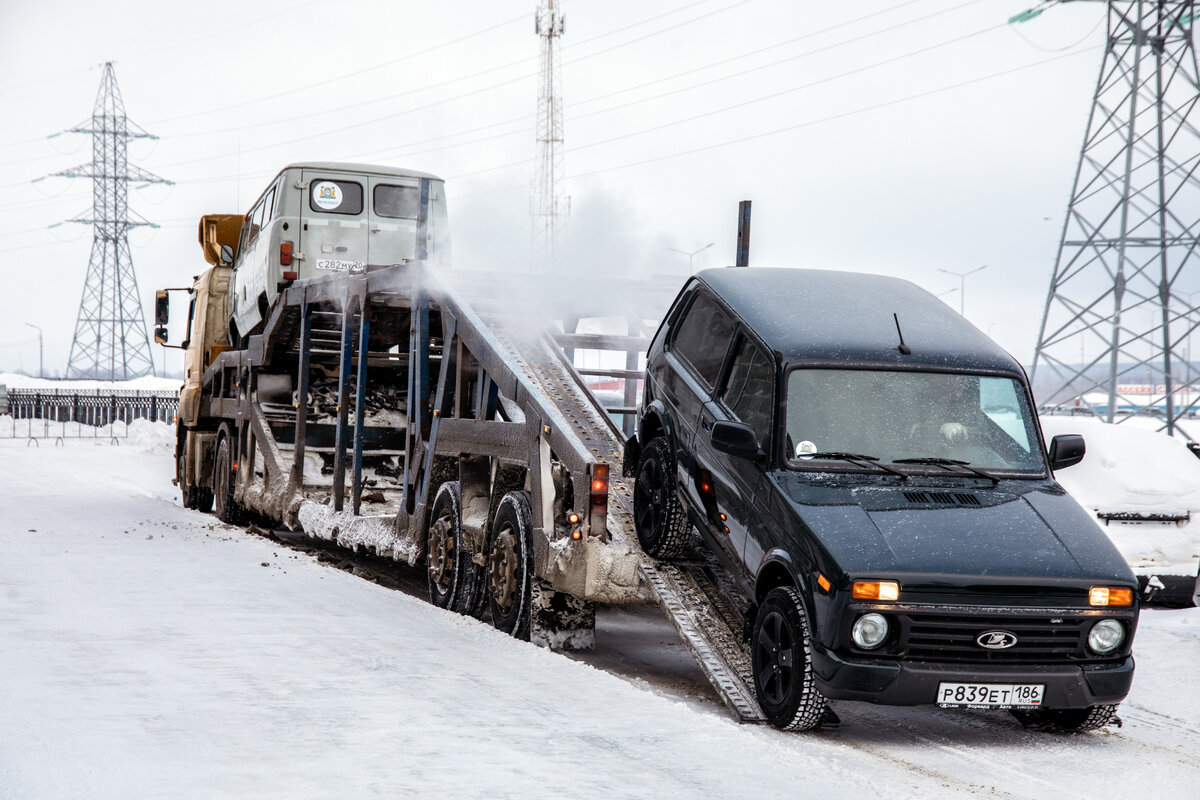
[
  {"x": 662, "y": 526},
  {"x": 187, "y": 492},
  {"x": 228, "y": 509},
  {"x": 510, "y": 565},
  {"x": 456, "y": 582},
  {"x": 783, "y": 674},
  {"x": 1067, "y": 720},
  {"x": 204, "y": 498}
]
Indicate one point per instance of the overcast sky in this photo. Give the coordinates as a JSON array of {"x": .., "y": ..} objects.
[{"x": 890, "y": 136}]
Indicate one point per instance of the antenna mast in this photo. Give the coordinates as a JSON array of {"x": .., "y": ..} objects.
[
  {"x": 1115, "y": 318},
  {"x": 111, "y": 342},
  {"x": 550, "y": 201}
]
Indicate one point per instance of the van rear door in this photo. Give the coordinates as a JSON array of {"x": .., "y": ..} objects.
[
  {"x": 333, "y": 222},
  {"x": 395, "y": 209}
]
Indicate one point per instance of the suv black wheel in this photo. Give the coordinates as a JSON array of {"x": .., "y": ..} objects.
[
  {"x": 661, "y": 523},
  {"x": 228, "y": 510},
  {"x": 510, "y": 565},
  {"x": 783, "y": 675},
  {"x": 1067, "y": 720},
  {"x": 456, "y": 582}
]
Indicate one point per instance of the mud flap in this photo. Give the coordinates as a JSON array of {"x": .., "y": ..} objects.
[{"x": 561, "y": 621}]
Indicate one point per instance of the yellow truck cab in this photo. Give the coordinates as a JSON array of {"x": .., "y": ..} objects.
[{"x": 321, "y": 217}]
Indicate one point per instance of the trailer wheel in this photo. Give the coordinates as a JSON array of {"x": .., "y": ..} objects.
[
  {"x": 510, "y": 565},
  {"x": 456, "y": 582},
  {"x": 228, "y": 509},
  {"x": 1067, "y": 720},
  {"x": 783, "y": 673},
  {"x": 661, "y": 523}
]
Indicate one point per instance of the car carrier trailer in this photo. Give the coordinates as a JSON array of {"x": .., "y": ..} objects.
[{"x": 388, "y": 411}]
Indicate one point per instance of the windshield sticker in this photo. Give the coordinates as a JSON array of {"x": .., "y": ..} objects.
[
  {"x": 805, "y": 450},
  {"x": 327, "y": 195}
]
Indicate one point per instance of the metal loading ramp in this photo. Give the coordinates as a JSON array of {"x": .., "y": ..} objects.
[{"x": 689, "y": 592}]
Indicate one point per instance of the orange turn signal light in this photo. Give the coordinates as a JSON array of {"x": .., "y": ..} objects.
[
  {"x": 875, "y": 590},
  {"x": 823, "y": 582},
  {"x": 1110, "y": 596}
]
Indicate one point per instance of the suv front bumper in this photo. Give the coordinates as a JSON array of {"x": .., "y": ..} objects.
[{"x": 910, "y": 683}]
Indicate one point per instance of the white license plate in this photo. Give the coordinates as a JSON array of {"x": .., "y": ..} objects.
[
  {"x": 337, "y": 265},
  {"x": 990, "y": 695}
]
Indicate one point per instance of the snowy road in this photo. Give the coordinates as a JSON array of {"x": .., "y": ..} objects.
[{"x": 148, "y": 651}]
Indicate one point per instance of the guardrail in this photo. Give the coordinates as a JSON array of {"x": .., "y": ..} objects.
[{"x": 71, "y": 414}]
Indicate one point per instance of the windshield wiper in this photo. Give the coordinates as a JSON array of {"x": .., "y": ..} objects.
[
  {"x": 857, "y": 458},
  {"x": 947, "y": 462}
]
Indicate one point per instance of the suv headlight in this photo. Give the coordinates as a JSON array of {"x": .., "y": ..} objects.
[
  {"x": 1106, "y": 636},
  {"x": 870, "y": 631}
]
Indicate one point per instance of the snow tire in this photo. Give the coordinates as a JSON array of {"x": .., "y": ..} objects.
[
  {"x": 510, "y": 565},
  {"x": 456, "y": 582},
  {"x": 1068, "y": 720},
  {"x": 662, "y": 525},
  {"x": 781, "y": 653},
  {"x": 228, "y": 510}
]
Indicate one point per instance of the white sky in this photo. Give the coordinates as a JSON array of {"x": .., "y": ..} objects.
[{"x": 918, "y": 164}]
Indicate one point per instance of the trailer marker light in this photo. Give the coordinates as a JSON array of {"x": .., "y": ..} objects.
[
  {"x": 577, "y": 534},
  {"x": 546, "y": 429},
  {"x": 823, "y": 582},
  {"x": 875, "y": 590},
  {"x": 235, "y": 466},
  {"x": 1110, "y": 596},
  {"x": 573, "y": 518},
  {"x": 723, "y": 518}
]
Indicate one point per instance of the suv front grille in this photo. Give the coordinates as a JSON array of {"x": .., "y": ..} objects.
[{"x": 938, "y": 636}]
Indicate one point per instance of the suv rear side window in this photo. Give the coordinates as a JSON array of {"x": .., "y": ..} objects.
[
  {"x": 335, "y": 197},
  {"x": 400, "y": 202},
  {"x": 703, "y": 338}
]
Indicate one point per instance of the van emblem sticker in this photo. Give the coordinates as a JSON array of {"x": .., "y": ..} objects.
[
  {"x": 805, "y": 450},
  {"x": 327, "y": 195}
]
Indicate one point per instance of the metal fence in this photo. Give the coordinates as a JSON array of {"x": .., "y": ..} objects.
[{"x": 70, "y": 414}]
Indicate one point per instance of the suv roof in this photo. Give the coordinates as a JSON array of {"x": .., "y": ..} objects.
[
  {"x": 837, "y": 318},
  {"x": 340, "y": 166}
]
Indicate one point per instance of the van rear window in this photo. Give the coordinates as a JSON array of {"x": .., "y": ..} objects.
[
  {"x": 402, "y": 202},
  {"x": 336, "y": 197}
]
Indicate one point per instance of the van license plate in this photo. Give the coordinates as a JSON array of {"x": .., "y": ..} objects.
[
  {"x": 337, "y": 265},
  {"x": 990, "y": 695}
]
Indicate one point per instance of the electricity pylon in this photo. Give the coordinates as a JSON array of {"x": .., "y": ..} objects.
[
  {"x": 1115, "y": 320},
  {"x": 111, "y": 341},
  {"x": 550, "y": 201}
]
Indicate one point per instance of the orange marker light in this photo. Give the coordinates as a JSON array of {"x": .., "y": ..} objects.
[
  {"x": 823, "y": 582},
  {"x": 573, "y": 518},
  {"x": 577, "y": 535},
  {"x": 1110, "y": 596},
  {"x": 875, "y": 590}
]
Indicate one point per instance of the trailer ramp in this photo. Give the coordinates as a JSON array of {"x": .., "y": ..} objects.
[{"x": 689, "y": 592}]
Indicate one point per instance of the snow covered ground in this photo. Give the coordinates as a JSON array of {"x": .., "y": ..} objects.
[{"x": 149, "y": 651}]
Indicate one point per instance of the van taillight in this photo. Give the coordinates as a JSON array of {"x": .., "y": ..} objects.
[
  {"x": 285, "y": 256},
  {"x": 289, "y": 276}
]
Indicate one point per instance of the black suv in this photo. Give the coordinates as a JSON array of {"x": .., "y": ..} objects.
[{"x": 869, "y": 468}]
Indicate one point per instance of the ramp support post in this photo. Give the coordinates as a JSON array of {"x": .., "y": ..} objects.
[
  {"x": 301, "y": 403},
  {"x": 360, "y": 391},
  {"x": 343, "y": 407}
]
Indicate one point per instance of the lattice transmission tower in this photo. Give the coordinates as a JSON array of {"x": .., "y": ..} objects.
[
  {"x": 1115, "y": 333},
  {"x": 550, "y": 202},
  {"x": 111, "y": 341}
]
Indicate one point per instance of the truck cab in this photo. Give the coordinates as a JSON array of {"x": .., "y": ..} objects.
[
  {"x": 318, "y": 218},
  {"x": 869, "y": 469}
]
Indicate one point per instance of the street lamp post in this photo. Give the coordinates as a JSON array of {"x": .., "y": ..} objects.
[
  {"x": 962, "y": 285},
  {"x": 41, "y": 364},
  {"x": 691, "y": 255}
]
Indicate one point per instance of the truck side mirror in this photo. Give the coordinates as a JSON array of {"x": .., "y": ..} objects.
[
  {"x": 1066, "y": 450},
  {"x": 734, "y": 438},
  {"x": 162, "y": 309},
  {"x": 226, "y": 255},
  {"x": 160, "y": 335}
]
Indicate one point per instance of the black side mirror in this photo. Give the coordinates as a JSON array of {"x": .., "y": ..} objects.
[
  {"x": 1066, "y": 450},
  {"x": 160, "y": 335},
  {"x": 735, "y": 438},
  {"x": 162, "y": 307}
]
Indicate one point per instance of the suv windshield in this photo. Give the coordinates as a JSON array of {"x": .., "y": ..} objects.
[{"x": 897, "y": 416}]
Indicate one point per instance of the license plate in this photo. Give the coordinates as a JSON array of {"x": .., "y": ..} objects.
[
  {"x": 337, "y": 265},
  {"x": 990, "y": 695}
]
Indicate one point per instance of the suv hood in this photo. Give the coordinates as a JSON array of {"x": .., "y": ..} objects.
[{"x": 1026, "y": 532}]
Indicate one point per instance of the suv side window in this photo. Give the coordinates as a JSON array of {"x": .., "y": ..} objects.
[
  {"x": 750, "y": 388},
  {"x": 703, "y": 338}
]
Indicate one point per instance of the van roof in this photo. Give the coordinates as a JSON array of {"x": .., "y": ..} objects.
[
  {"x": 833, "y": 318},
  {"x": 343, "y": 166}
]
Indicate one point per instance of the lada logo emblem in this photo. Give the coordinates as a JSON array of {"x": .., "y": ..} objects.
[{"x": 996, "y": 640}]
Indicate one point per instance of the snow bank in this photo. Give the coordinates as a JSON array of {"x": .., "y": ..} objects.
[
  {"x": 376, "y": 534},
  {"x": 1134, "y": 470}
]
